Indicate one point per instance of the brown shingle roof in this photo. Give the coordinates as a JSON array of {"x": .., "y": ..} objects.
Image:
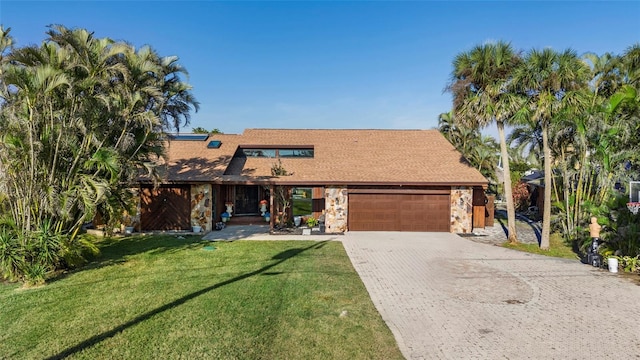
[{"x": 341, "y": 157}]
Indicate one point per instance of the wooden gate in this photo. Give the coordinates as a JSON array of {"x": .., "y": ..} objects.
[
  {"x": 479, "y": 201},
  {"x": 165, "y": 208}
]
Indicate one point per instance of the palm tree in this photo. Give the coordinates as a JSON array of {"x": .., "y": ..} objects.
[
  {"x": 526, "y": 138},
  {"x": 605, "y": 74},
  {"x": 631, "y": 66},
  {"x": 479, "y": 84},
  {"x": 201, "y": 130},
  {"x": 446, "y": 125},
  {"x": 479, "y": 150},
  {"x": 551, "y": 81},
  {"x": 484, "y": 157},
  {"x": 80, "y": 117}
]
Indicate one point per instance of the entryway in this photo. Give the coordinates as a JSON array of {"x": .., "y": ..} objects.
[{"x": 247, "y": 200}]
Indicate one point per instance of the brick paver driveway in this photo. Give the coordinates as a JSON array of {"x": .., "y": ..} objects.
[{"x": 445, "y": 297}]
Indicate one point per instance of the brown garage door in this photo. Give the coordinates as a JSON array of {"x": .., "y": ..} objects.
[
  {"x": 165, "y": 208},
  {"x": 399, "y": 212}
]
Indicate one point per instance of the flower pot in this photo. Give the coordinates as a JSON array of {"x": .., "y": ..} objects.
[
  {"x": 612, "y": 264},
  {"x": 229, "y": 206},
  {"x": 128, "y": 229},
  {"x": 297, "y": 220},
  {"x": 267, "y": 218},
  {"x": 196, "y": 228}
]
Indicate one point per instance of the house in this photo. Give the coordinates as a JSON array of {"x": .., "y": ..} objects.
[{"x": 373, "y": 180}]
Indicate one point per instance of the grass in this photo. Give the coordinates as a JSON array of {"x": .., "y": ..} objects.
[
  {"x": 164, "y": 297},
  {"x": 557, "y": 248}
]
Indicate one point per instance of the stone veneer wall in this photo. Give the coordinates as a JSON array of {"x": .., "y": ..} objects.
[
  {"x": 201, "y": 206},
  {"x": 461, "y": 210},
  {"x": 336, "y": 209}
]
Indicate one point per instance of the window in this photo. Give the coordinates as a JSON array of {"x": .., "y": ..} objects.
[
  {"x": 273, "y": 152},
  {"x": 301, "y": 201},
  {"x": 307, "y": 153},
  {"x": 189, "y": 137},
  {"x": 268, "y": 153}
]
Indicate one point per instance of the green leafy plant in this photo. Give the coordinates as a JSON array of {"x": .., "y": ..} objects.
[
  {"x": 79, "y": 250},
  {"x": 11, "y": 255},
  {"x": 311, "y": 221},
  {"x": 627, "y": 263},
  {"x": 282, "y": 195},
  {"x": 90, "y": 115},
  {"x": 34, "y": 274}
]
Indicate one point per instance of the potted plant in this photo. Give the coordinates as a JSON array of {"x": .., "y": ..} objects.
[
  {"x": 263, "y": 206},
  {"x": 229, "y": 206},
  {"x": 128, "y": 223},
  {"x": 312, "y": 222}
]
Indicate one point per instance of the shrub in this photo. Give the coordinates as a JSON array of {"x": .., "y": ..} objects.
[
  {"x": 521, "y": 196},
  {"x": 30, "y": 257},
  {"x": 34, "y": 274},
  {"x": 311, "y": 221},
  {"x": 628, "y": 263},
  {"x": 77, "y": 251},
  {"x": 624, "y": 235},
  {"x": 11, "y": 255}
]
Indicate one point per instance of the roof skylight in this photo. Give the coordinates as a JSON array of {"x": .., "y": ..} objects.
[{"x": 214, "y": 144}]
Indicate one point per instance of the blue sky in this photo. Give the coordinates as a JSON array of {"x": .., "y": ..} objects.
[{"x": 328, "y": 64}]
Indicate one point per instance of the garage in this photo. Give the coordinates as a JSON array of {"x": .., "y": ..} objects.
[{"x": 399, "y": 212}]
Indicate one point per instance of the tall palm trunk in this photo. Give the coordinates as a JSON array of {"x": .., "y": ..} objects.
[
  {"x": 566, "y": 193},
  {"x": 546, "y": 212},
  {"x": 511, "y": 209}
]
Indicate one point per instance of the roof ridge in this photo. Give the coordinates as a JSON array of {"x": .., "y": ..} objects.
[{"x": 320, "y": 129}]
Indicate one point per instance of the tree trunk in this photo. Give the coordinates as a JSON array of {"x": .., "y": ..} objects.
[
  {"x": 546, "y": 212},
  {"x": 508, "y": 193},
  {"x": 569, "y": 224}
]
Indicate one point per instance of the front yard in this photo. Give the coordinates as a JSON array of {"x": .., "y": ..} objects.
[{"x": 166, "y": 297}]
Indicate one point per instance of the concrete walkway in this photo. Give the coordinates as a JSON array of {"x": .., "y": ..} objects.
[
  {"x": 446, "y": 297},
  {"x": 259, "y": 232}
]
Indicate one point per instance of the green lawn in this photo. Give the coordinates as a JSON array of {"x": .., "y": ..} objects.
[
  {"x": 557, "y": 248},
  {"x": 166, "y": 298}
]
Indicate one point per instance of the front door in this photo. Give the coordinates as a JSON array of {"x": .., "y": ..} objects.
[{"x": 246, "y": 200}]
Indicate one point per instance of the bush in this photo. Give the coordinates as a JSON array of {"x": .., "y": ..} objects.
[
  {"x": 620, "y": 228},
  {"x": 77, "y": 251},
  {"x": 34, "y": 274},
  {"x": 29, "y": 258},
  {"x": 521, "y": 196},
  {"x": 11, "y": 255},
  {"x": 624, "y": 236}
]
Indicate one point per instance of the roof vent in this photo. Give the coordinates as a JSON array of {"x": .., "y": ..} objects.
[{"x": 214, "y": 144}]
